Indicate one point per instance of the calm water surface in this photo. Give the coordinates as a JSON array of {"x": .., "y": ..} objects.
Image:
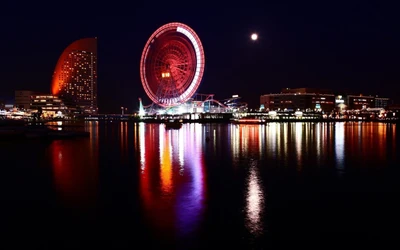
[{"x": 238, "y": 185}]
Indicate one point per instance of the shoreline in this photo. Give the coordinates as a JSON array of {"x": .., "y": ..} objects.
[
  {"x": 7, "y": 124},
  {"x": 224, "y": 121}
]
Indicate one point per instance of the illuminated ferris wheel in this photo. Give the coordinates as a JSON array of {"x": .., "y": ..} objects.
[{"x": 172, "y": 64}]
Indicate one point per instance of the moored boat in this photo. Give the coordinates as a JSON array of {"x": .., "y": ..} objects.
[{"x": 173, "y": 124}]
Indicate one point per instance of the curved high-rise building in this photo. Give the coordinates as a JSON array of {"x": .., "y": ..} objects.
[{"x": 75, "y": 75}]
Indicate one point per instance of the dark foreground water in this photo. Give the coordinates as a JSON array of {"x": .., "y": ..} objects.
[{"x": 202, "y": 186}]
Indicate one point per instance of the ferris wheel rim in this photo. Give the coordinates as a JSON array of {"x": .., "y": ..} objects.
[{"x": 197, "y": 72}]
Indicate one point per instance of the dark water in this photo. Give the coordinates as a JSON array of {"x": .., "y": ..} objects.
[{"x": 244, "y": 186}]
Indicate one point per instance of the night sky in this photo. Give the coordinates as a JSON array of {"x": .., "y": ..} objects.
[{"x": 351, "y": 46}]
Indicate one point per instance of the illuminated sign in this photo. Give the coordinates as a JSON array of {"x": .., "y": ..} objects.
[{"x": 339, "y": 101}]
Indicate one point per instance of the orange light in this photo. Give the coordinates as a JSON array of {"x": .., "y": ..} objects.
[{"x": 85, "y": 44}]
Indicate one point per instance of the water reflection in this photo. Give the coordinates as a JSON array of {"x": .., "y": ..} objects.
[
  {"x": 285, "y": 143},
  {"x": 246, "y": 141},
  {"x": 294, "y": 144},
  {"x": 142, "y": 145},
  {"x": 369, "y": 140},
  {"x": 254, "y": 201},
  {"x": 261, "y": 140},
  {"x": 149, "y": 161},
  {"x": 392, "y": 130},
  {"x": 75, "y": 169},
  {"x": 272, "y": 139},
  {"x": 172, "y": 176},
  {"x": 235, "y": 136},
  {"x": 317, "y": 141},
  {"x": 339, "y": 145},
  {"x": 191, "y": 193},
  {"x": 299, "y": 143},
  {"x": 181, "y": 150},
  {"x": 258, "y": 168},
  {"x": 123, "y": 141},
  {"x": 165, "y": 153}
]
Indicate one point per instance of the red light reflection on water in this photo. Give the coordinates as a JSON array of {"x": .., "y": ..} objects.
[
  {"x": 245, "y": 139},
  {"x": 148, "y": 158},
  {"x": 370, "y": 140},
  {"x": 75, "y": 171}
]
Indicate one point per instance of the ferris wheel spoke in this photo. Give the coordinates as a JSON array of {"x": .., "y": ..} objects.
[
  {"x": 180, "y": 64},
  {"x": 181, "y": 70},
  {"x": 162, "y": 62}
]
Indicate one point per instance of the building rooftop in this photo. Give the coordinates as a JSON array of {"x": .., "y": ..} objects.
[{"x": 307, "y": 90}]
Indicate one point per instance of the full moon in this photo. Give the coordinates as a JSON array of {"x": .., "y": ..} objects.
[{"x": 254, "y": 36}]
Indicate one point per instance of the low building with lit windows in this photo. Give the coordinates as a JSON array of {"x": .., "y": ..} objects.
[
  {"x": 299, "y": 99},
  {"x": 359, "y": 102},
  {"x": 50, "y": 106},
  {"x": 382, "y": 102},
  {"x": 23, "y": 98}
]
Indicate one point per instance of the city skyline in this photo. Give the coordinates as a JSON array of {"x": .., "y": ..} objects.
[{"x": 340, "y": 47}]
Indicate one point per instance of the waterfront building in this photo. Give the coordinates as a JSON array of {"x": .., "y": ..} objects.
[
  {"x": 359, "y": 102},
  {"x": 340, "y": 103},
  {"x": 23, "y": 98},
  {"x": 50, "y": 106},
  {"x": 381, "y": 102},
  {"x": 395, "y": 107},
  {"x": 299, "y": 99},
  {"x": 75, "y": 76}
]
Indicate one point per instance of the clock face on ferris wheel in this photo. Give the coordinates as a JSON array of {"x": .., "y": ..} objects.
[{"x": 172, "y": 64}]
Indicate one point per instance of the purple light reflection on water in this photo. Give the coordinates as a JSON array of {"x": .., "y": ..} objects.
[{"x": 191, "y": 194}]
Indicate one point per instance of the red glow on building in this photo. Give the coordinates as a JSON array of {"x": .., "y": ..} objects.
[{"x": 75, "y": 75}]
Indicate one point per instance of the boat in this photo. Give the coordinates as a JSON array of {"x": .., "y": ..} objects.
[{"x": 173, "y": 124}]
